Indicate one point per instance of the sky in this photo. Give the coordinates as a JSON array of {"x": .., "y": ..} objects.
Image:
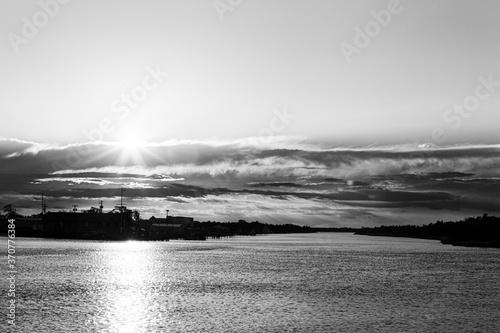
[{"x": 327, "y": 113}]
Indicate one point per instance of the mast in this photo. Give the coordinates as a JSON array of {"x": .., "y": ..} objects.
[
  {"x": 121, "y": 211},
  {"x": 44, "y": 206}
]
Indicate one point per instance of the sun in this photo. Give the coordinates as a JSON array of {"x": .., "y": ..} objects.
[
  {"x": 131, "y": 149},
  {"x": 131, "y": 141}
]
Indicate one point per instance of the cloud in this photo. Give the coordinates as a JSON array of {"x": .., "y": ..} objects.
[
  {"x": 244, "y": 158},
  {"x": 75, "y": 180},
  {"x": 275, "y": 184},
  {"x": 234, "y": 177}
]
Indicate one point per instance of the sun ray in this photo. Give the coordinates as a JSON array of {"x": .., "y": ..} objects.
[{"x": 131, "y": 147}]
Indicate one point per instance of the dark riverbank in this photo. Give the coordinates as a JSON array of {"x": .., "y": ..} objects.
[
  {"x": 243, "y": 228},
  {"x": 112, "y": 226},
  {"x": 481, "y": 231}
]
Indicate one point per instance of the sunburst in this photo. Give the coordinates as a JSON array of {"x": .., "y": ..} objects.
[{"x": 132, "y": 148}]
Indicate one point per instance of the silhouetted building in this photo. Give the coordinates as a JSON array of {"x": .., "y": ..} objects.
[
  {"x": 25, "y": 226},
  {"x": 170, "y": 227},
  {"x": 86, "y": 225}
]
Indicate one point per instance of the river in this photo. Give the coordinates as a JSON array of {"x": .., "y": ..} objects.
[{"x": 324, "y": 282}]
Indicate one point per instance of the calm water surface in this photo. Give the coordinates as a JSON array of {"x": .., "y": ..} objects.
[{"x": 276, "y": 283}]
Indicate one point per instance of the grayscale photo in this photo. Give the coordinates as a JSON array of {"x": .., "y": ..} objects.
[{"x": 250, "y": 166}]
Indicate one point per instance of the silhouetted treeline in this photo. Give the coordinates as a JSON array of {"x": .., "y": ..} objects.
[
  {"x": 481, "y": 231},
  {"x": 223, "y": 229},
  {"x": 343, "y": 229},
  {"x": 242, "y": 227}
]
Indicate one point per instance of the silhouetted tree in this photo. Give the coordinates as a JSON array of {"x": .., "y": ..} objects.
[
  {"x": 10, "y": 211},
  {"x": 93, "y": 210},
  {"x": 136, "y": 216}
]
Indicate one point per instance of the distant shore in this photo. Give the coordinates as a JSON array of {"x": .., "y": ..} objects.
[
  {"x": 482, "y": 231},
  {"x": 97, "y": 226}
]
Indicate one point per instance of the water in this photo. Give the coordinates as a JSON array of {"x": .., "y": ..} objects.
[{"x": 275, "y": 283}]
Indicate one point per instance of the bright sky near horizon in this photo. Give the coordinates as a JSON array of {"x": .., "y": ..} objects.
[{"x": 232, "y": 67}]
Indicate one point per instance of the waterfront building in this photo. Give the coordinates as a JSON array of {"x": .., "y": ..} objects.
[{"x": 169, "y": 227}]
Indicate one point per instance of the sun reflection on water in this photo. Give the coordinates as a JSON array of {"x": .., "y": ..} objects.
[{"x": 126, "y": 272}]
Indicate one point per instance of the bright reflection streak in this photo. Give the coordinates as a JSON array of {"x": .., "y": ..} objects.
[{"x": 126, "y": 299}]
